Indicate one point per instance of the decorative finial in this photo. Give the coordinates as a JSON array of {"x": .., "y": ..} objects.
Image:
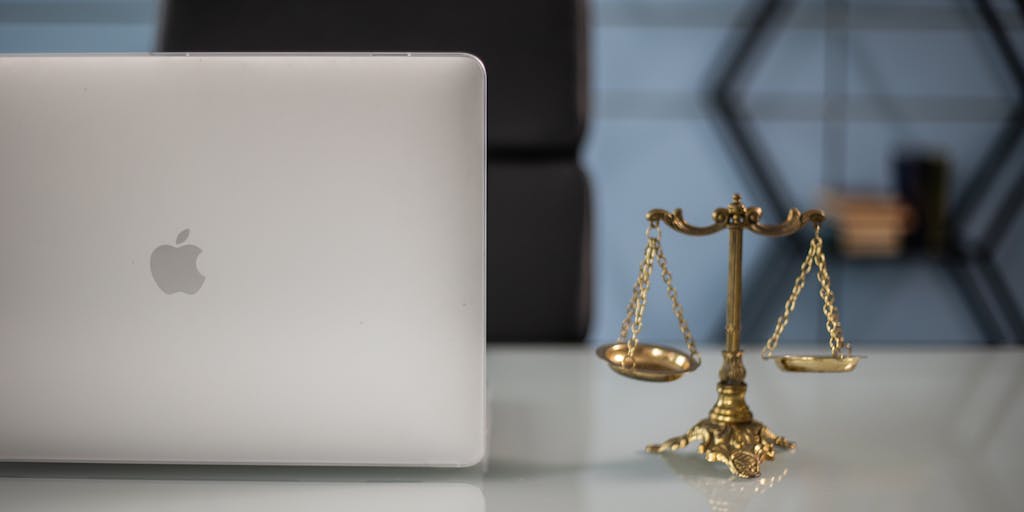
[{"x": 735, "y": 198}]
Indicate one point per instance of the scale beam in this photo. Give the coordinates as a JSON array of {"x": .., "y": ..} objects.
[{"x": 737, "y": 216}]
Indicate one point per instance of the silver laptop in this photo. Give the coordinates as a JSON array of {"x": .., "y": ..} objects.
[{"x": 272, "y": 259}]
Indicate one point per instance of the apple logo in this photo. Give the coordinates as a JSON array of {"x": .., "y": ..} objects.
[{"x": 174, "y": 268}]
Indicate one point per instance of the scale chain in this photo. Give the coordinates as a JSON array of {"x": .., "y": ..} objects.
[
  {"x": 677, "y": 308},
  {"x": 835, "y": 330},
  {"x": 798, "y": 286},
  {"x": 815, "y": 257},
  {"x": 632, "y": 324},
  {"x": 624, "y": 331},
  {"x": 640, "y": 301}
]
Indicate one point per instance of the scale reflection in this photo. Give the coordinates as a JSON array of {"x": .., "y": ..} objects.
[
  {"x": 724, "y": 494},
  {"x": 89, "y": 495}
]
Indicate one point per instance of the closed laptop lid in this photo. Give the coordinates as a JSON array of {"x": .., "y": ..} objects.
[{"x": 273, "y": 259}]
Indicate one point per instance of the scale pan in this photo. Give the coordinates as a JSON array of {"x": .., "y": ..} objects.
[
  {"x": 817, "y": 364},
  {"x": 652, "y": 363}
]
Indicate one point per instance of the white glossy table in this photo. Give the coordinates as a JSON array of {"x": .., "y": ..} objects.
[{"x": 905, "y": 431}]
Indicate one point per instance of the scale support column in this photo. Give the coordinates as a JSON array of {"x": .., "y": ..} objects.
[{"x": 731, "y": 406}]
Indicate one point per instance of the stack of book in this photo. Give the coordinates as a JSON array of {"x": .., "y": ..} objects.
[{"x": 869, "y": 225}]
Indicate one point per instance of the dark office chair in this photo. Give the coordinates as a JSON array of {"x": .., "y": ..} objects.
[{"x": 538, "y": 243}]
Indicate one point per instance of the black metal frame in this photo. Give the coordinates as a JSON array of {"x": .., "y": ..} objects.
[
  {"x": 762, "y": 17},
  {"x": 982, "y": 256}
]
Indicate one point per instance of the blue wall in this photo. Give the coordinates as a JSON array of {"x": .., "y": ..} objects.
[
  {"x": 918, "y": 73},
  {"x": 78, "y": 25}
]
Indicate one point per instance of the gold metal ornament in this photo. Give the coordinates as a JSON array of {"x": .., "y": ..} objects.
[{"x": 729, "y": 434}]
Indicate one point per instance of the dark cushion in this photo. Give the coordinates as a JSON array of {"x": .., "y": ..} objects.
[{"x": 538, "y": 250}]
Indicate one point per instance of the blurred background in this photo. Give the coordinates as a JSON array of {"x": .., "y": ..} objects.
[{"x": 904, "y": 119}]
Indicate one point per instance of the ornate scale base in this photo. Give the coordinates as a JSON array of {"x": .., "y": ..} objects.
[
  {"x": 743, "y": 447},
  {"x": 730, "y": 434}
]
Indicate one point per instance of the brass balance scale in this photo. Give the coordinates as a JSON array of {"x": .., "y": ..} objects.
[{"x": 729, "y": 434}]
